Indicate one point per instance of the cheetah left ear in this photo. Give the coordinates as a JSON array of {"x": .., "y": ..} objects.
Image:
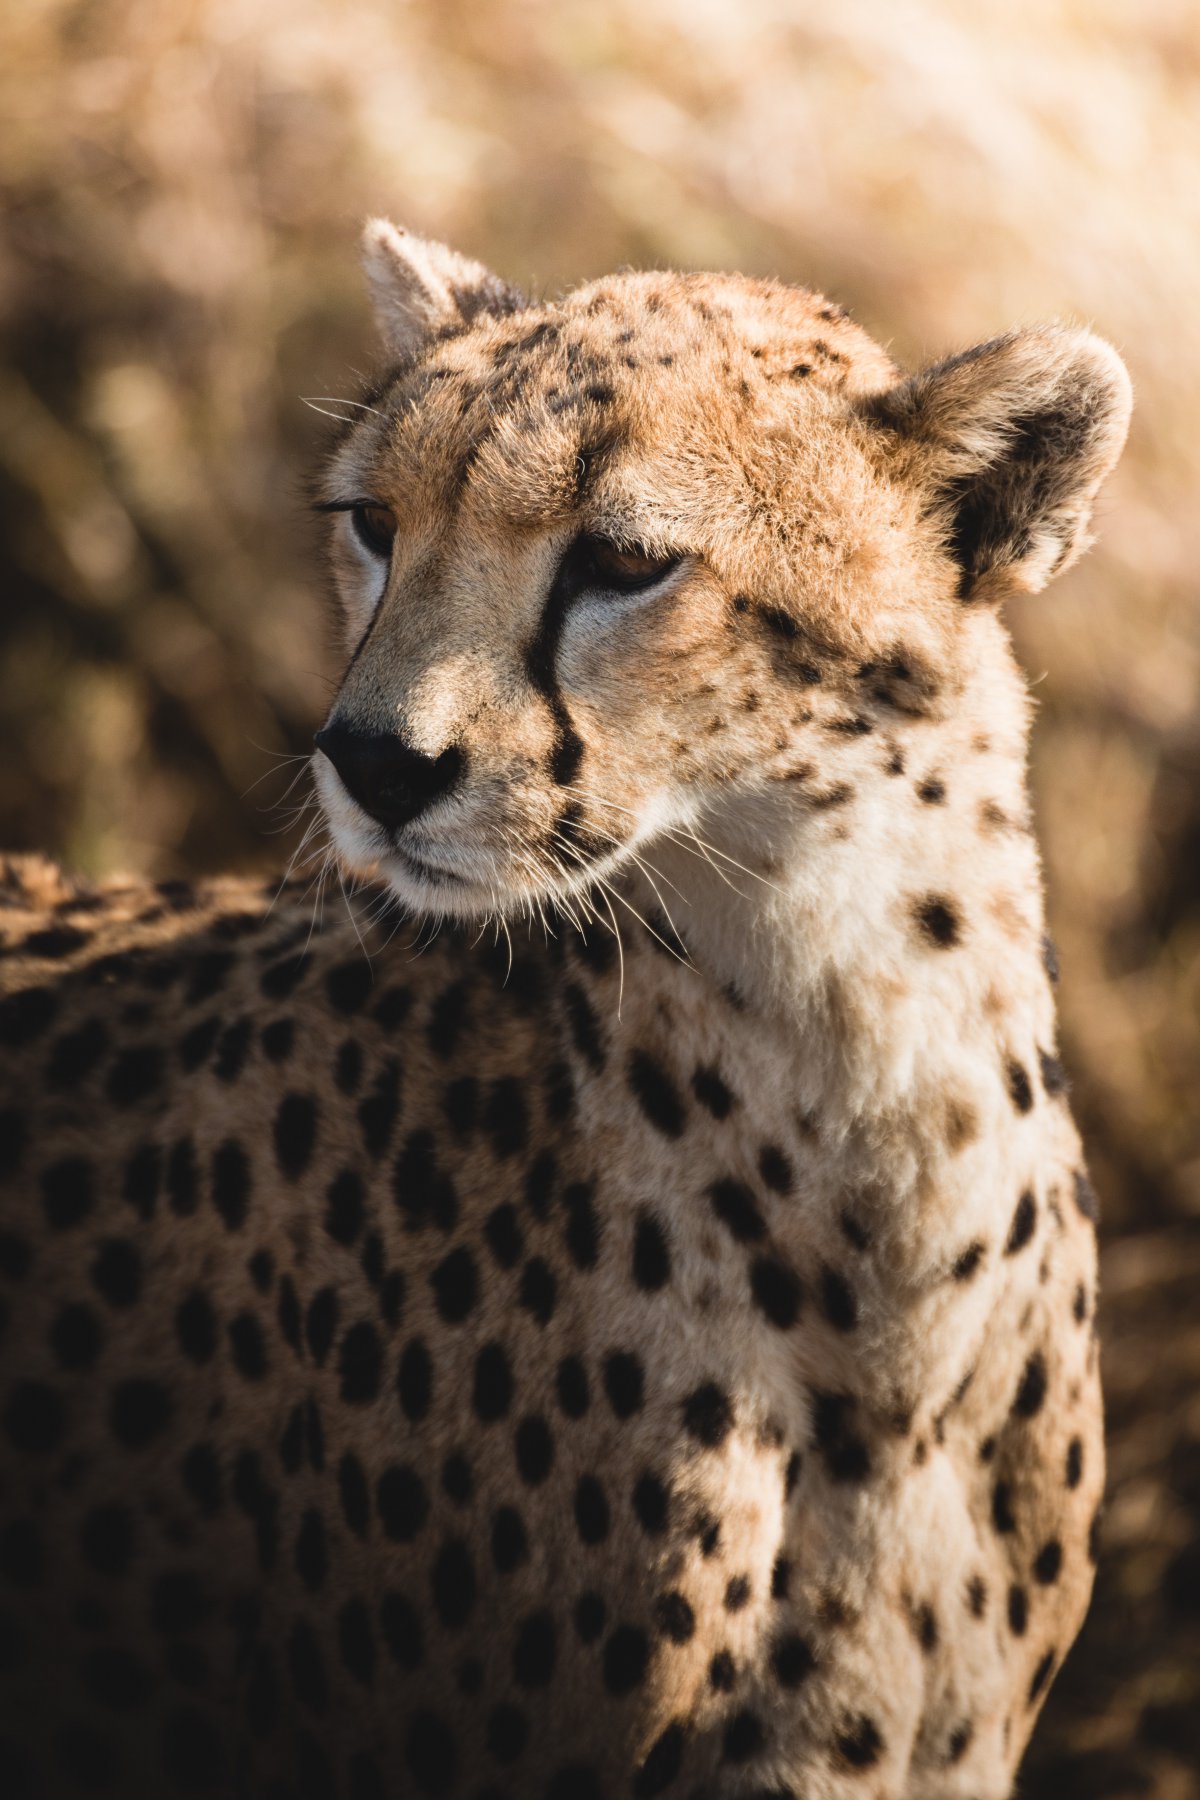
[
  {"x": 421, "y": 288},
  {"x": 1010, "y": 442}
]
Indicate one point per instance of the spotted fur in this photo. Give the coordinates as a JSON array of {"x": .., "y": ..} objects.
[{"x": 549, "y": 1365}]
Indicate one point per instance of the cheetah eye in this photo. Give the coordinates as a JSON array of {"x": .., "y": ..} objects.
[
  {"x": 374, "y": 527},
  {"x": 626, "y": 571}
]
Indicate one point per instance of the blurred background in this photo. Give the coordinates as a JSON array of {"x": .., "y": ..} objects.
[{"x": 181, "y": 188}]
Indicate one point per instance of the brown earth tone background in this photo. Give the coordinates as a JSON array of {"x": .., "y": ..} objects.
[{"x": 181, "y": 184}]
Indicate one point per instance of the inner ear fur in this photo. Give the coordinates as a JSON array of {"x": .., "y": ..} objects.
[
  {"x": 1009, "y": 443},
  {"x": 421, "y": 289}
]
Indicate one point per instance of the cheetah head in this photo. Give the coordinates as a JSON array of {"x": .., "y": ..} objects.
[{"x": 663, "y": 553}]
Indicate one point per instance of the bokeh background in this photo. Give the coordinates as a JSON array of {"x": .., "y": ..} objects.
[{"x": 181, "y": 185}]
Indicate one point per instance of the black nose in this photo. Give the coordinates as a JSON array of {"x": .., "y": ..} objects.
[{"x": 389, "y": 781}]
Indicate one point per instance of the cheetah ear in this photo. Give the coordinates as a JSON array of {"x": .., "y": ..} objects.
[
  {"x": 1010, "y": 441},
  {"x": 420, "y": 288}
]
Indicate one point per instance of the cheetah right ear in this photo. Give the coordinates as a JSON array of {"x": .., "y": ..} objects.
[
  {"x": 1010, "y": 442},
  {"x": 421, "y": 289}
]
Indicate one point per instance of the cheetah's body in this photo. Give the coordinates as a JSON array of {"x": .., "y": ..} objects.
[{"x": 615, "y": 1374}]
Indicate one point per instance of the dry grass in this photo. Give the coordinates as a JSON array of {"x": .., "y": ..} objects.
[{"x": 181, "y": 186}]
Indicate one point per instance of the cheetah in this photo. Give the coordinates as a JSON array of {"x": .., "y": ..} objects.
[{"x": 613, "y": 1313}]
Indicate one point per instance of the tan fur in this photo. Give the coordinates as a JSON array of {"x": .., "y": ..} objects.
[{"x": 567, "y": 1366}]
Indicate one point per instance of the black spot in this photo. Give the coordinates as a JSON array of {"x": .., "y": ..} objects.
[
  {"x": 414, "y": 1380},
  {"x": 721, "y": 1673},
  {"x": 344, "y": 1207},
  {"x": 674, "y": 1617},
  {"x": 347, "y": 1070},
  {"x": 117, "y": 1272},
  {"x": 1031, "y": 1392},
  {"x": 712, "y": 1092},
  {"x": 571, "y": 1386},
  {"x": 663, "y": 1762},
  {"x": 1048, "y": 1562},
  {"x": 937, "y": 918},
  {"x": 249, "y": 1346},
  {"x": 626, "y": 1655},
  {"x": 76, "y": 1054},
  {"x": 1085, "y": 1198},
  {"x": 744, "y": 1737},
  {"x": 306, "y": 1669},
  {"x": 196, "y": 1327},
  {"x": 734, "y": 1205},
  {"x": 651, "y": 1258},
  {"x": 837, "y": 1300},
  {"x": 707, "y": 1415},
  {"x": 1018, "y": 1611},
  {"x": 348, "y": 985},
  {"x": 402, "y": 1502},
  {"x": 585, "y": 1028},
  {"x": 135, "y": 1073},
  {"x": 115, "y": 1679},
  {"x": 925, "y": 1627},
  {"x": 401, "y": 1629},
  {"x": 591, "y": 1510},
  {"x": 201, "y": 1475},
  {"x": 1024, "y": 1222},
  {"x": 320, "y": 1323},
  {"x": 776, "y": 1169},
  {"x": 178, "y": 1602},
  {"x": 1041, "y": 1675},
  {"x": 583, "y": 1228},
  {"x": 195, "y": 1046},
  {"x": 447, "y": 1019},
  {"x": 295, "y": 1133},
  {"x": 138, "y": 1412},
  {"x": 776, "y": 1290},
  {"x": 1050, "y": 959},
  {"x": 977, "y": 1596},
  {"x": 932, "y": 791},
  {"x": 737, "y": 1593},
  {"x": 859, "y": 1742},
  {"x": 506, "y": 1117},
  {"x": 656, "y": 1094},
  {"x": 968, "y": 1261},
  {"x": 16, "y": 1256},
  {"x": 539, "y": 1290},
  {"x": 624, "y": 1383},
  {"x": 781, "y": 1576},
  {"x": 182, "y": 1181},
  {"x": 356, "y": 1640},
  {"x": 845, "y": 1455},
  {"x": 106, "y": 1539},
  {"x": 461, "y": 1103},
  {"x": 651, "y": 1504},
  {"x": 25, "y": 1016},
  {"x": 505, "y": 1240},
  {"x": 510, "y": 1546},
  {"x": 455, "y": 1284},
  {"x": 232, "y": 1050},
  {"x": 1003, "y": 1518},
  {"x": 1074, "y": 1470},
  {"x": 539, "y": 1184},
  {"x": 379, "y": 1110},
  {"x": 360, "y": 1363},
  {"x": 535, "y": 1650},
  {"x": 261, "y": 1269},
  {"x": 75, "y": 1337},
  {"x": 493, "y": 1388},
  {"x": 534, "y": 1447},
  {"x": 312, "y": 1557},
  {"x": 507, "y": 1732},
  {"x": 792, "y": 1660},
  {"x": 68, "y": 1192},
  {"x": 1020, "y": 1091},
  {"x": 452, "y": 1581},
  {"x": 423, "y": 1193},
  {"x": 282, "y": 978},
  {"x": 276, "y": 1039},
  {"x": 352, "y": 1489},
  {"x": 458, "y": 1484},
  {"x": 231, "y": 1183}
]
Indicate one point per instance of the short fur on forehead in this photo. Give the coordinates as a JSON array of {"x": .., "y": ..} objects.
[
  {"x": 422, "y": 289},
  {"x": 1010, "y": 441}
]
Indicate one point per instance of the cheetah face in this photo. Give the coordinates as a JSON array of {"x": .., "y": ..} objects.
[{"x": 654, "y": 555}]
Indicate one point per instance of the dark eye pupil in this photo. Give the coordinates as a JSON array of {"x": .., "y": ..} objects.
[
  {"x": 374, "y": 527},
  {"x": 626, "y": 570}
]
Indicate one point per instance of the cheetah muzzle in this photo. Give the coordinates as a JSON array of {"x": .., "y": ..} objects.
[{"x": 638, "y": 1337}]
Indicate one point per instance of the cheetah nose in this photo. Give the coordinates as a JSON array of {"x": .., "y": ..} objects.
[{"x": 389, "y": 780}]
